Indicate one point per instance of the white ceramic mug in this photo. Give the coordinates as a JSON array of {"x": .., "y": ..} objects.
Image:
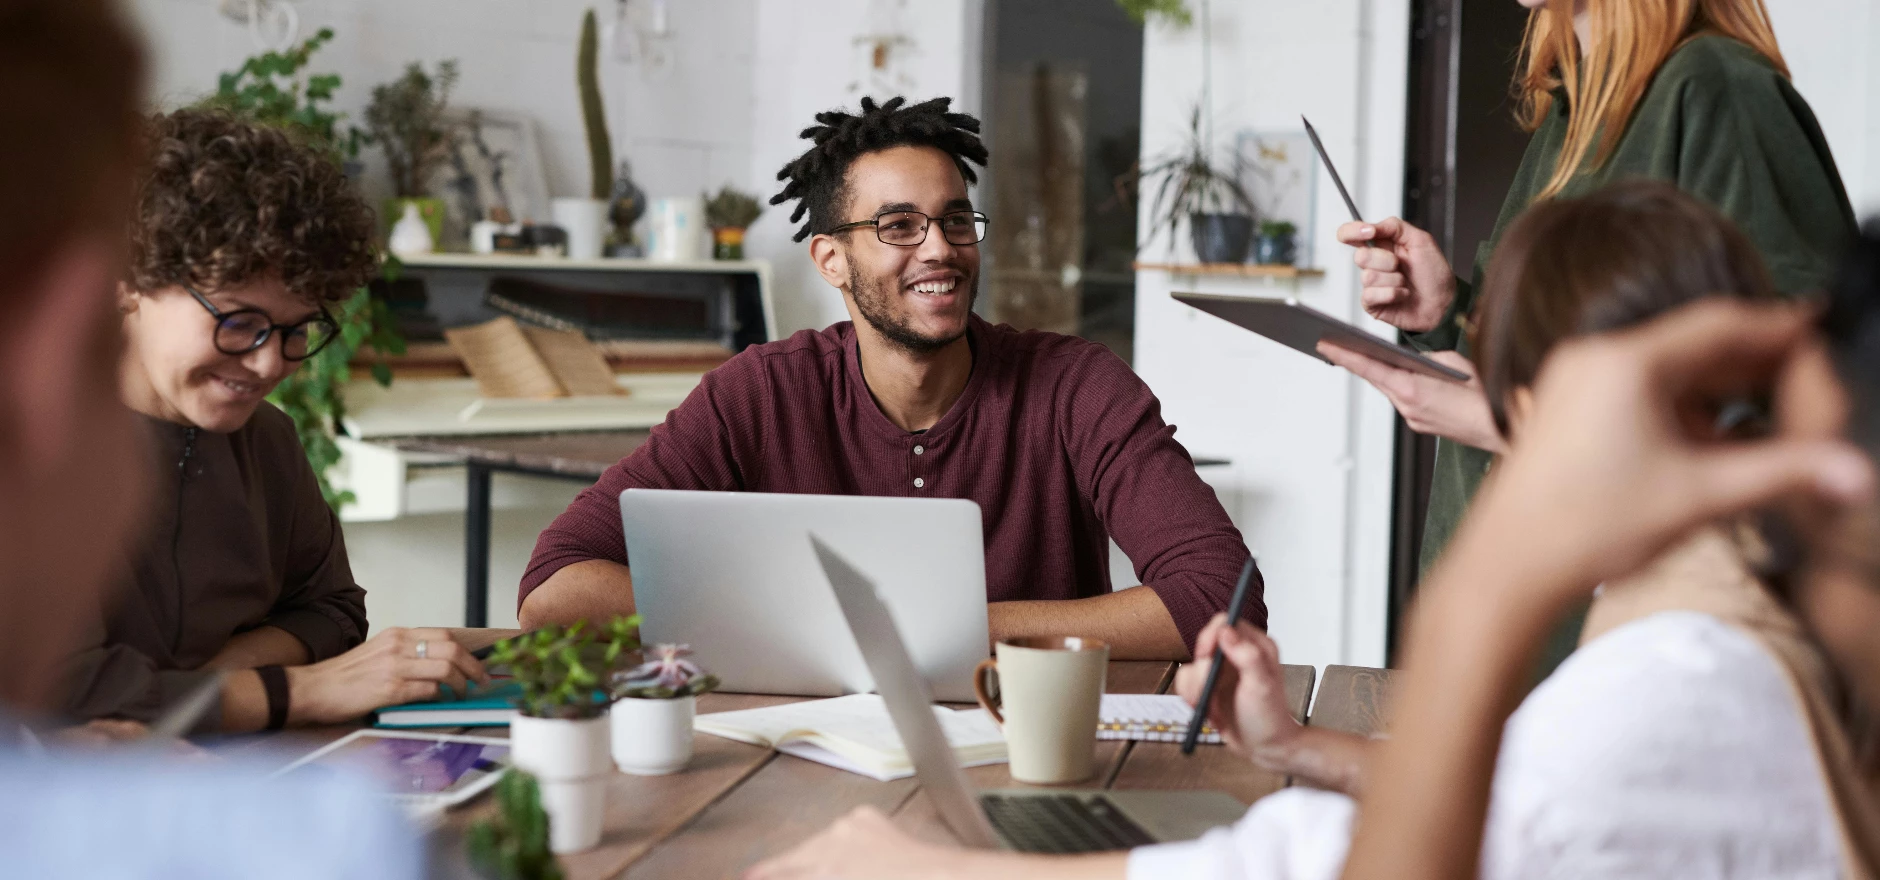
[
  {"x": 677, "y": 229},
  {"x": 1049, "y": 695}
]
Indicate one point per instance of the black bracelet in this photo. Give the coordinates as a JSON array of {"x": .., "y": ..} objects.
[{"x": 274, "y": 683}]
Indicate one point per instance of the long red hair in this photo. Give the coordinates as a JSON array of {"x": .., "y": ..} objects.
[{"x": 1630, "y": 40}]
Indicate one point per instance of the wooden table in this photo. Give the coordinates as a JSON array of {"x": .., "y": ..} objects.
[{"x": 737, "y": 804}]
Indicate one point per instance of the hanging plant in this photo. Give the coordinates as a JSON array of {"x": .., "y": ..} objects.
[{"x": 1173, "y": 11}]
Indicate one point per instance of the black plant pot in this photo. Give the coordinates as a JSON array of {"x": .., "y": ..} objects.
[
  {"x": 1276, "y": 250},
  {"x": 1221, "y": 238}
]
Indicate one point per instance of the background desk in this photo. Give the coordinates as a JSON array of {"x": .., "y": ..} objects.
[{"x": 737, "y": 804}]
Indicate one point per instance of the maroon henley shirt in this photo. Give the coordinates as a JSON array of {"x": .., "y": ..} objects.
[{"x": 1059, "y": 443}]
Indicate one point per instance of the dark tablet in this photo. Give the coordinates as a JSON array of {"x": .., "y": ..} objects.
[{"x": 1301, "y": 327}]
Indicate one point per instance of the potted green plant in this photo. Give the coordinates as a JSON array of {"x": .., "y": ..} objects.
[
  {"x": 585, "y": 219},
  {"x": 728, "y": 214},
  {"x": 654, "y": 704},
  {"x": 1278, "y": 244},
  {"x": 406, "y": 120},
  {"x": 560, "y": 732},
  {"x": 1192, "y": 186},
  {"x": 513, "y": 844}
]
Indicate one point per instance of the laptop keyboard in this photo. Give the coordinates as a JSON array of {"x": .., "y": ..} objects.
[{"x": 1062, "y": 823}]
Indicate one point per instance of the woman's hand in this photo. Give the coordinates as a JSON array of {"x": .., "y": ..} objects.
[
  {"x": 1249, "y": 706},
  {"x": 385, "y": 671},
  {"x": 1451, "y": 410},
  {"x": 1611, "y": 468},
  {"x": 1407, "y": 282}
]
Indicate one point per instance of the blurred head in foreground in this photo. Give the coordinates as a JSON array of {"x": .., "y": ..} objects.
[{"x": 70, "y": 85}]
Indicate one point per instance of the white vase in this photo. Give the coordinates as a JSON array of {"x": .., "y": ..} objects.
[
  {"x": 677, "y": 229},
  {"x": 410, "y": 235},
  {"x": 652, "y": 737},
  {"x": 585, "y": 221},
  {"x": 570, "y": 762}
]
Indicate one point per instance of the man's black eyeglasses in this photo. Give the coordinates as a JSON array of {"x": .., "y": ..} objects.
[
  {"x": 909, "y": 228},
  {"x": 244, "y": 330}
]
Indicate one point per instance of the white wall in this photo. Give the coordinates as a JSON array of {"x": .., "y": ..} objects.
[
  {"x": 1310, "y": 445},
  {"x": 746, "y": 76},
  {"x": 1828, "y": 45}
]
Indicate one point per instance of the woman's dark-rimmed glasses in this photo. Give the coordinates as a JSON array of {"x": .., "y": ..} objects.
[
  {"x": 909, "y": 228},
  {"x": 244, "y": 330}
]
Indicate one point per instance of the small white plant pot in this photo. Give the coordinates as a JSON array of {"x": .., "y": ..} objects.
[
  {"x": 569, "y": 759},
  {"x": 585, "y": 221},
  {"x": 652, "y": 737}
]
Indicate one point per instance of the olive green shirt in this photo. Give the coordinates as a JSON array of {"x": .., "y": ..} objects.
[{"x": 1722, "y": 124}]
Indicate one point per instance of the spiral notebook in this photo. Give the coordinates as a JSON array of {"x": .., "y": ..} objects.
[{"x": 1149, "y": 717}]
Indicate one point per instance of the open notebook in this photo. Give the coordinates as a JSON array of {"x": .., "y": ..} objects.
[
  {"x": 854, "y": 733},
  {"x": 1151, "y": 717}
]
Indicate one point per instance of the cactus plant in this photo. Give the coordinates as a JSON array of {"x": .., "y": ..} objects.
[
  {"x": 593, "y": 112},
  {"x": 514, "y": 844}
]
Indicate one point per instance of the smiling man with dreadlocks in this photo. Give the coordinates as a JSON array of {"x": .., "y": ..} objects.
[{"x": 1061, "y": 446}]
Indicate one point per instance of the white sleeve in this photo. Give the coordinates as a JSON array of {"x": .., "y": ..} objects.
[
  {"x": 1671, "y": 746},
  {"x": 1294, "y": 834}
]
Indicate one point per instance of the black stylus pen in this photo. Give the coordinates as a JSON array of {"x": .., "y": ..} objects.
[{"x": 1214, "y": 672}]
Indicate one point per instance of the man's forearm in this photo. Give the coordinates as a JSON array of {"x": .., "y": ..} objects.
[
  {"x": 597, "y": 589},
  {"x": 1133, "y": 621},
  {"x": 261, "y": 646},
  {"x": 1319, "y": 757}
]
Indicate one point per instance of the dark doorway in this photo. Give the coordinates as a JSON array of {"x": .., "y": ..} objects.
[
  {"x": 1064, "y": 92},
  {"x": 1462, "y": 149}
]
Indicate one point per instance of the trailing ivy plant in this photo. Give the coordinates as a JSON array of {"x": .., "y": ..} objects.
[{"x": 273, "y": 89}]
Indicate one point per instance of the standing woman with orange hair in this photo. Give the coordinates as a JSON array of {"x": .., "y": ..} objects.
[{"x": 1691, "y": 92}]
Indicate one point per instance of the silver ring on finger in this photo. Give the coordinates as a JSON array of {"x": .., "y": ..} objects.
[{"x": 424, "y": 650}]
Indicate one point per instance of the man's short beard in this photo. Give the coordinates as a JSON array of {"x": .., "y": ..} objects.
[{"x": 874, "y": 304}]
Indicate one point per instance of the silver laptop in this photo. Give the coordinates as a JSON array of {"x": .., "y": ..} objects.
[
  {"x": 1027, "y": 820},
  {"x": 731, "y": 574}
]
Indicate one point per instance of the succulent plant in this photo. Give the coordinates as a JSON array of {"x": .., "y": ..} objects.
[
  {"x": 666, "y": 675},
  {"x": 731, "y": 209}
]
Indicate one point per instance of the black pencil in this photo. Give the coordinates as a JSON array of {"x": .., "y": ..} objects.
[{"x": 1214, "y": 672}]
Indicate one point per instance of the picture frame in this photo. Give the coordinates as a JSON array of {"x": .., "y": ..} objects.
[
  {"x": 494, "y": 161},
  {"x": 1282, "y": 179}
]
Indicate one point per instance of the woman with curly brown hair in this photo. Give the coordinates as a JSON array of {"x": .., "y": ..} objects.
[{"x": 239, "y": 240}]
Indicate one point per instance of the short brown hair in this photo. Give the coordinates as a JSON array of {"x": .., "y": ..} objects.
[
  {"x": 71, "y": 82},
  {"x": 1623, "y": 255},
  {"x": 224, "y": 202}
]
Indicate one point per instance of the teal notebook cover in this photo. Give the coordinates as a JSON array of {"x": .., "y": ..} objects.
[{"x": 497, "y": 696}]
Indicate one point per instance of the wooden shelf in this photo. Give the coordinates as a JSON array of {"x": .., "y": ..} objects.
[{"x": 1241, "y": 270}]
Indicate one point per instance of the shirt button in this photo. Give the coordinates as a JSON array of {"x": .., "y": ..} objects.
[
  {"x": 919, "y": 482},
  {"x": 919, "y": 450}
]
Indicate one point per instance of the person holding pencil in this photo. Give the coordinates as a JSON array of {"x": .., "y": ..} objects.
[{"x": 1694, "y": 93}]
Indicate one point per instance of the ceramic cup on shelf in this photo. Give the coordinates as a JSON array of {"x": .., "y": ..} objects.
[
  {"x": 585, "y": 221},
  {"x": 570, "y": 762},
  {"x": 1050, "y": 690},
  {"x": 678, "y": 229},
  {"x": 652, "y": 737}
]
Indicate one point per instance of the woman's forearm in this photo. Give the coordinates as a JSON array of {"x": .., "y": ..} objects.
[
  {"x": 261, "y": 646},
  {"x": 1473, "y": 640},
  {"x": 1330, "y": 759}
]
